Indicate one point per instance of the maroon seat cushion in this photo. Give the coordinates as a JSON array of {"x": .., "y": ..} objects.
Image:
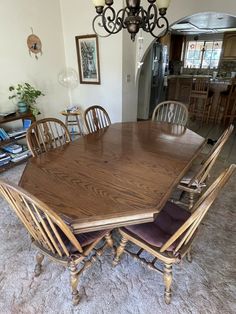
[
  {"x": 84, "y": 239},
  {"x": 89, "y": 237},
  {"x": 156, "y": 233}
]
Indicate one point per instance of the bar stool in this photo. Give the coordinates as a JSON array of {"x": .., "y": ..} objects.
[
  {"x": 230, "y": 107},
  {"x": 221, "y": 105},
  {"x": 71, "y": 120},
  {"x": 201, "y": 99},
  {"x": 226, "y": 108}
]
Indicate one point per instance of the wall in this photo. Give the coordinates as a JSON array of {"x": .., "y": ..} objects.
[
  {"x": 129, "y": 88},
  {"x": 77, "y": 19},
  {"x": 17, "y": 17}
]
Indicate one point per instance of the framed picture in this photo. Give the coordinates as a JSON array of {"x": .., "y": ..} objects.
[{"x": 88, "y": 59}]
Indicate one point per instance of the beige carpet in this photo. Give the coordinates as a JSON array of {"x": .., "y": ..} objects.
[{"x": 208, "y": 285}]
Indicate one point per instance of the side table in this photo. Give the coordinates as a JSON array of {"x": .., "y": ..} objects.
[{"x": 72, "y": 119}]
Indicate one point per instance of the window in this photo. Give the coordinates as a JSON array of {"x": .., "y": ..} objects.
[{"x": 202, "y": 54}]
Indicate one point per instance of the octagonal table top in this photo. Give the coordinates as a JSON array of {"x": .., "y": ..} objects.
[{"x": 120, "y": 175}]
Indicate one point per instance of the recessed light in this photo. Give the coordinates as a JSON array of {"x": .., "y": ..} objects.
[{"x": 220, "y": 18}]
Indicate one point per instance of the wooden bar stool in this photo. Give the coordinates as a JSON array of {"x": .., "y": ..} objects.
[
  {"x": 201, "y": 99},
  {"x": 226, "y": 111},
  {"x": 72, "y": 119},
  {"x": 230, "y": 107}
]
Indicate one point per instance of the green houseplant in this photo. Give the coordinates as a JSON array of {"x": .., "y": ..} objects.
[{"x": 26, "y": 96}]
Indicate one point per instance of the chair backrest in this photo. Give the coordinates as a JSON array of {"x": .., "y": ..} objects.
[
  {"x": 171, "y": 112},
  {"x": 207, "y": 164},
  {"x": 46, "y": 228},
  {"x": 46, "y": 134},
  {"x": 200, "y": 88},
  {"x": 96, "y": 118},
  {"x": 187, "y": 231}
]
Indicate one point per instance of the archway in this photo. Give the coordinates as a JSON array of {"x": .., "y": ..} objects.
[{"x": 210, "y": 26}]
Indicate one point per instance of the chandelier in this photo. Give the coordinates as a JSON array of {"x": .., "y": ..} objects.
[{"x": 132, "y": 17}]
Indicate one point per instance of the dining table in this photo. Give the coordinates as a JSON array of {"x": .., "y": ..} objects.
[{"x": 121, "y": 175}]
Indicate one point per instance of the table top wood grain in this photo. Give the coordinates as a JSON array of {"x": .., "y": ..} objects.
[{"x": 121, "y": 175}]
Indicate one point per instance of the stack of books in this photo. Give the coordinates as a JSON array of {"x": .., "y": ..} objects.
[
  {"x": 25, "y": 153},
  {"x": 13, "y": 148},
  {"x": 4, "y": 135},
  {"x": 17, "y": 133},
  {"x": 16, "y": 152},
  {"x": 4, "y": 158}
]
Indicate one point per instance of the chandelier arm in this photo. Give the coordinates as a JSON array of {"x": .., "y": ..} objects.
[
  {"x": 144, "y": 19},
  {"x": 114, "y": 23},
  {"x": 97, "y": 17},
  {"x": 152, "y": 17},
  {"x": 161, "y": 26}
]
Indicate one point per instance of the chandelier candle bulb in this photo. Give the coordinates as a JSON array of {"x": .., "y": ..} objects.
[
  {"x": 99, "y": 3},
  {"x": 163, "y": 4},
  {"x": 132, "y": 17}
]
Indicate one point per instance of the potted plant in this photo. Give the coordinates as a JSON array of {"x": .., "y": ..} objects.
[{"x": 26, "y": 96}]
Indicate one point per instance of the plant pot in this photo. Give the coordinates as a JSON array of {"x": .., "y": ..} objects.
[{"x": 22, "y": 107}]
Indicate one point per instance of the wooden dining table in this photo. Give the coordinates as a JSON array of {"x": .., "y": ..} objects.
[{"x": 120, "y": 175}]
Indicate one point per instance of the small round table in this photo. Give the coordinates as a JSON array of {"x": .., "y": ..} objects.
[{"x": 72, "y": 119}]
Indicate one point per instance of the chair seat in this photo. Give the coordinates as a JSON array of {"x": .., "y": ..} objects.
[
  {"x": 84, "y": 239},
  {"x": 165, "y": 225}
]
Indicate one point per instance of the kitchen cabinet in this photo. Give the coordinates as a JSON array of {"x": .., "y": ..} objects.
[{"x": 229, "y": 46}]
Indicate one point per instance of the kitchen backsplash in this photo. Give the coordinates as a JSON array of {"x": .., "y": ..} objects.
[{"x": 226, "y": 67}]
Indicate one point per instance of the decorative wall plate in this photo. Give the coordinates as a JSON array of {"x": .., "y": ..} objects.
[{"x": 34, "y": 44}]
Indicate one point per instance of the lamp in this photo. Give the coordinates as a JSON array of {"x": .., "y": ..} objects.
[{"x": 132, "y": 17}]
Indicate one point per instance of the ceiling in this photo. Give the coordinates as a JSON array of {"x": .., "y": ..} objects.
[{"x": 205, "y": 23}]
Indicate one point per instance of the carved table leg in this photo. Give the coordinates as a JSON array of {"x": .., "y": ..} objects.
[
  {"x": 120, "y": 251},
  {"x": 168, "y": 280},
  {"x": 38, "y": 266},
  {"x": 74, "y": 278}
]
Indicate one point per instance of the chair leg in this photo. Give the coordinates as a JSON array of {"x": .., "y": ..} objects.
[
  {"x": 119, "y": 251},
  {"x": 38, "y": 266},
  {"x": 189, "y": 256},
  {"x": 191, "y": 199},
  {"x": 110, "y": 241},
  {"x": 74, "y": 278},
  {"x": 168, "y": 281}
]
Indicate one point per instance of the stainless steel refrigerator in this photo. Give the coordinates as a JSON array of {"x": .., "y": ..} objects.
[{"x": 153, "y": 80}]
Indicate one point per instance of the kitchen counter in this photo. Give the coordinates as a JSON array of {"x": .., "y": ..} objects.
[{"x": 219, "y": 80}]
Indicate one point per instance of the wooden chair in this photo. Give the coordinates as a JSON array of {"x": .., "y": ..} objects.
[
  {"x": 171, "y": 111},
  {"x": 52, "y": 237},
  {"x": 229, "y": 114},
  {"x": 46, "y": 134},
  {"x": 170, "y": 236},
  {"x": 201, "y": 99},
  {"x": 195, "y": 181},
  {"x": 96, "y": 118}
]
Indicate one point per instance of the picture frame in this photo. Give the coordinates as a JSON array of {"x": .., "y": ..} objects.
[{"x": 88, "y": 59}]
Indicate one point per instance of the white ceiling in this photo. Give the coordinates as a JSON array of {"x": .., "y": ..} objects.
[{"x": 205, "y": 23}]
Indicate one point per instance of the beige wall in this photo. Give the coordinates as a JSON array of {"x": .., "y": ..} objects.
[
  {"x": 77, "y": 16},
  {"x": 17, "y": 17}
]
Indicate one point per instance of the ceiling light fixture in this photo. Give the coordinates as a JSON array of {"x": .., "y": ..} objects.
[{"x": 132, "y": 17}]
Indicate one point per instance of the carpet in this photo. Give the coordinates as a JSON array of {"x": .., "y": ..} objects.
[{"x": 207, "y": 285}]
